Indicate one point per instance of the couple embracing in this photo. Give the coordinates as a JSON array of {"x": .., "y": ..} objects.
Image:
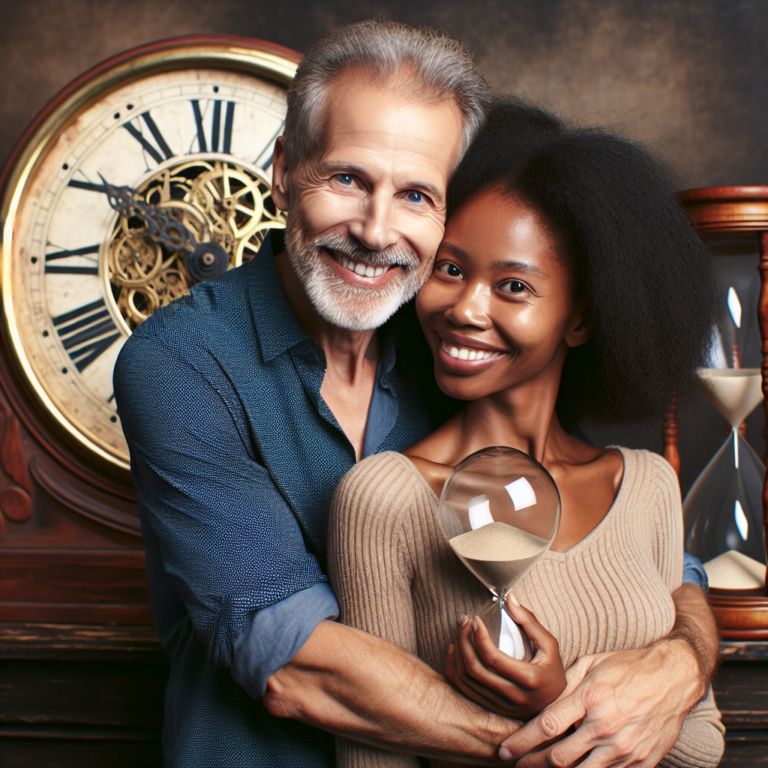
[{"x": 557, "y": 281}]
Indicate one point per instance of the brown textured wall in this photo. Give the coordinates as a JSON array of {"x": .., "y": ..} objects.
[{"x": 688, "y": 76}]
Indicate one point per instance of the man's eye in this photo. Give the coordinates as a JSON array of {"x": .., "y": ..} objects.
[
  {"x": 414, "y": 197},
  {"x": 344, "y": 179},
  {"x": 514, "y": 286},
  {"x": 450, "y": 269}
]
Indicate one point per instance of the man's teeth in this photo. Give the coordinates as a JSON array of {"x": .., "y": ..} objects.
[
  {"x": 464, "y": 353},
  {"x": 360, "y": 267}
]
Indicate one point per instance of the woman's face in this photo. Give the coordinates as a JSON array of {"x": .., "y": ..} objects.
[{"x": 499, "y": 309}]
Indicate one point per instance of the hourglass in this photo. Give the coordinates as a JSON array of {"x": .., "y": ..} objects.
[
  {"x": 499, "y": 511},
  {"x": 723, "y": 509},
  {"x": 733, "y": 222}
]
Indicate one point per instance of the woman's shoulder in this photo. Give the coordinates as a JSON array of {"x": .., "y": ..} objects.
[
  {"x": 646, "y": 472},
  {"x": 642, "y": 461},
  {"x": 385, "y": 477}
]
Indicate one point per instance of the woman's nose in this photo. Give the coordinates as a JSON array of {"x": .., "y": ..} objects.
[{"x": 471, "y": 308}]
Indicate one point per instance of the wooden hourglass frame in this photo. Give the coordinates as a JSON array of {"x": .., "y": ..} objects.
[{"x": 734, "y": 210}]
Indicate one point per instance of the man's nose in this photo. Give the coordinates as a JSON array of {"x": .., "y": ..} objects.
[
  {"x": 375, "y": 228},
  {"x": 472, "y": 308}
]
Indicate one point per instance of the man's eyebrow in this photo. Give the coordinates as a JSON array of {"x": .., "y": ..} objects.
[{"x": 343, "y": 168}]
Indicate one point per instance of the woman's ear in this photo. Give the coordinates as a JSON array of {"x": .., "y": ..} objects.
[
  {"x": 581, "y": 327},
  {"x": 280, "y": 194}
]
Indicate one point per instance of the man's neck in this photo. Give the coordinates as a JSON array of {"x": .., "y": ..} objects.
[{"x": 351, "y": 359}]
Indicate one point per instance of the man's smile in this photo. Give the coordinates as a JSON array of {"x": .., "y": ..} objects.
[{"x": 360, "y": 267}]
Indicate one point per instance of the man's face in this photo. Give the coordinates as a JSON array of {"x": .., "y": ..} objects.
[{"x": 366, "y": 216}]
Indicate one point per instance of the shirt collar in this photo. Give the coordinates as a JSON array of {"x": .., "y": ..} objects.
[{"x": 277, "y": 327}]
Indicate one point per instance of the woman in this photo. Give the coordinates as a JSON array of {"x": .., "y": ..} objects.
[{"x": 568, "y": 286}]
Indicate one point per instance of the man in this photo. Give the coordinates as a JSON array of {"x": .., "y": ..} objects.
[{"x": 268, "y": 385}]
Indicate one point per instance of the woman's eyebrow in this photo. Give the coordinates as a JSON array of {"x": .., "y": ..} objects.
[
  {"x": 521, "y": 266},
  {"x": 454, "y": 249}
]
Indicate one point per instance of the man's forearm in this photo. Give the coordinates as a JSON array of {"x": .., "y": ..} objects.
[
  {"x": 695, "y": 624},
  {"x": 356, "y": 685}
]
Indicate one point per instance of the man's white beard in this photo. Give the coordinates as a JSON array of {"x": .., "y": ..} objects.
[{"x": 340, "y": 303}]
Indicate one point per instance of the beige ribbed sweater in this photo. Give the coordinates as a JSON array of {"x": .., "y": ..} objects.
[{"x": 397, "y": 578}]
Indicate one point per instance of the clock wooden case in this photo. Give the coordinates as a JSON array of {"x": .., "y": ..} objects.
[{"x": 145, "y": 175}]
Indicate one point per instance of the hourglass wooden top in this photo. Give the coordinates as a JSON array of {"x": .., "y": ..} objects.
[{"x": 727, "y": 209}]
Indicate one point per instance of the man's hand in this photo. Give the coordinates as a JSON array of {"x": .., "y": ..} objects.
[
  {"x": 627, "y": 706},
  {"x": 483, "y": 673}
]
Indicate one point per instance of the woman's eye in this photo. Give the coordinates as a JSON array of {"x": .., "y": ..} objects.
[
  {"x": 514, "y": 286},
  {"x": 414, "y": 197},
  {"x": 449, "y": 269},
  {"x": 344, "y": 179}
]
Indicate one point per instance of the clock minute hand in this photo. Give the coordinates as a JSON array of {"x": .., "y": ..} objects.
[
  {"x": 162, "y": 225},
  {"x": 204, "y": 261}
]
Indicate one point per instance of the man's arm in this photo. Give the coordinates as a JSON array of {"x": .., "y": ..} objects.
[
  {"x": 356, "y": 685},
  {"x": 629, "y": 705},
  {"x": 227, "y": 553}
]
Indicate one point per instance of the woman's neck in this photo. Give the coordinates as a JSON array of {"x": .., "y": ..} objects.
[{"x": 521, "y": 417}]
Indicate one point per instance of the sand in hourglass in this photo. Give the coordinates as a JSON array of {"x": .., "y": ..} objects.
[{"x": 498, "y": 553}]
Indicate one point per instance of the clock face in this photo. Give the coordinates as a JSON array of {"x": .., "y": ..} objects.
[{"x": 159, "y": 182}]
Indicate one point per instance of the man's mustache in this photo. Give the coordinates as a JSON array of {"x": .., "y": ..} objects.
[{"x": 392, "y": 255}]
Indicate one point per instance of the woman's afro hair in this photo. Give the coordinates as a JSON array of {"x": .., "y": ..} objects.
[{"x": 639, "y": 264}]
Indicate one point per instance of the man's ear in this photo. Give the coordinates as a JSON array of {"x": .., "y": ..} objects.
[
  {"x": 581, "y": 327},
  {"x": 280, "y": 194}
]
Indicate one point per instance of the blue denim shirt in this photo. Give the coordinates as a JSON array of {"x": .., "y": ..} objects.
[{"x": 235, "y": 458}]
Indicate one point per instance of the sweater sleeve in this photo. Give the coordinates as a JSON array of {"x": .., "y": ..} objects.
[
  {"x": 701, "y": 741},
  {"x": 371, "y": 573},
  {"x": 667, "y": 522}
]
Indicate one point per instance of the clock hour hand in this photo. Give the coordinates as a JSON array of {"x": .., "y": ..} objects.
[{"x": 204, "y": 261}]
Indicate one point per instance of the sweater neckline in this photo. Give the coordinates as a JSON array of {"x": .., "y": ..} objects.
[
  {"x": 597, "y": 530},
  {"x": 593, "y": 534}
]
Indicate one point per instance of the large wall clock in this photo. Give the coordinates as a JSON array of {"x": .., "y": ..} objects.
[{"x": 145, "y": 176}]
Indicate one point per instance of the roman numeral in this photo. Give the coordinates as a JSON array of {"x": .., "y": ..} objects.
[
  {"x": 217, "y": 137},
  {"x": 264, "y": 158},
  {"x": 86, "y": 332},
  {"x": 161, "y": 143},
  {"x": 57, "y": 269}
]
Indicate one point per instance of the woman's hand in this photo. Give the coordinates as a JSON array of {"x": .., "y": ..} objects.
[{"x": 487, "y": 676}]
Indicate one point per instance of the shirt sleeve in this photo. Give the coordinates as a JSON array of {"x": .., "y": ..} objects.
[
  {"x": 228, "y": 540},
  {"x": 694, "y": 573},
  {"x": 274, "y": 635}
]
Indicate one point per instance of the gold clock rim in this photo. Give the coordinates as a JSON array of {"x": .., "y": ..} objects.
[{"x": 207, "y": 53}]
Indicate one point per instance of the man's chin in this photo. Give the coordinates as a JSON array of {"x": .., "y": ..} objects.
[
  {"x": 356, "y": 320},
  {"x": 357, "y": 313}
]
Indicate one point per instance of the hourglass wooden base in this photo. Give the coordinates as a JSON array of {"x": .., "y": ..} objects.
[{"x": 740, "y": 616}]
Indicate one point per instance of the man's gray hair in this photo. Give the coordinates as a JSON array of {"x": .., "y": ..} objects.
[{"x": 436, "y": 65}]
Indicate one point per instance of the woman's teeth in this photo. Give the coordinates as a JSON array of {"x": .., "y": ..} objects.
[
  {"x": 464, "y": 353},
  {"x": 360, "y": 267}
]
